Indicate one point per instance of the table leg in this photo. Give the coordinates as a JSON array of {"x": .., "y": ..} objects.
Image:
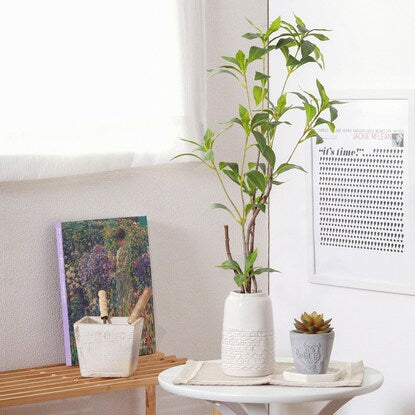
[
  {"x": 333, "y": 406},
  {"x": 231, "y": 408},
  {"x": 151, "y": 400}
]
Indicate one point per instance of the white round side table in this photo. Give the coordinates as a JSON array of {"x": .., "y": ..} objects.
[{"x": 253, "y": 400}]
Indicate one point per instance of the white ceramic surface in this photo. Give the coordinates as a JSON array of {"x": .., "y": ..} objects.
[
  {"x": 331, "y": 376},
  {"x": 108, "y": 350},
  {"x": 248, "y": 335},
  {"x": 268, "y": 393}
]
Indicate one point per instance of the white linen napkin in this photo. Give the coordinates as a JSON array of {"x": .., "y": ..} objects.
[{"x": 210, "y": 373}]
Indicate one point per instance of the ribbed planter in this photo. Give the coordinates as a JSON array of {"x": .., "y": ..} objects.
[{"x": 248, "y": 335}]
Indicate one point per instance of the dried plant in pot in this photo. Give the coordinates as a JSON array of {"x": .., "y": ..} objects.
[
  {"x": 312, "y": 343},
  {"x": 262, "y": 122}
]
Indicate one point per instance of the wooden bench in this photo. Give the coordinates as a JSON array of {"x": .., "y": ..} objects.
[{"x": 48, "y": 383}]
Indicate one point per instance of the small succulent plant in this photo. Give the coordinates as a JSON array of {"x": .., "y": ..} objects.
[{"x": 313, "y": 323}]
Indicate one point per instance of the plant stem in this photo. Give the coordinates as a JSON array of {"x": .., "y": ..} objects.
[
  {"x": 228, "y": 251},
  {"x": 225, "y": 191}
]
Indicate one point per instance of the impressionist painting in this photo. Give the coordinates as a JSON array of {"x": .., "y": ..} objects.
[{"x": 106, "y": 254}]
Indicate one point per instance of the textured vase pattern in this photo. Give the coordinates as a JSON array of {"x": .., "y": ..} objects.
[{"x": 247, "y": 349}]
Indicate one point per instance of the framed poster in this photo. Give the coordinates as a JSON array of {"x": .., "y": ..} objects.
[{"x": 363, "y": 194}]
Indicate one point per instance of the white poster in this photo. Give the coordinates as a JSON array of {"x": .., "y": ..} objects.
[{"x": 363, "y": 210}]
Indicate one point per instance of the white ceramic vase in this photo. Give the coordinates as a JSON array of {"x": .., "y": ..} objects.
[{"x": 248, "y": 335}]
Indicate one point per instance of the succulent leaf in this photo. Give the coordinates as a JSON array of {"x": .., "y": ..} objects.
[{"x": 313, "y": 323}]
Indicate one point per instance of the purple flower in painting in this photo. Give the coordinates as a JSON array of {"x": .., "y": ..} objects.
[
  {"x": 143, "y": 270},
  {"x": 95, "y": 270}
]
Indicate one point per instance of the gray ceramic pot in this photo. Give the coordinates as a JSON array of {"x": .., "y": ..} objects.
[{"x": 311, "y": 352}]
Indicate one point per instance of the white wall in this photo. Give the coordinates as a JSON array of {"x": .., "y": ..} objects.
[
  {"x": 371, "y": 48},
  {"x": 186, "y": 242}
]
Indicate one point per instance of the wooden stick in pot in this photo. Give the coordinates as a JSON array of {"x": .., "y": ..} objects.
[
  {"x": 103, "y": 306},
  {"x": 140, "y": 306}
]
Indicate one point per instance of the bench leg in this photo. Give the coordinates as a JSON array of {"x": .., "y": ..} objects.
[{"x": 151, "y": 400}]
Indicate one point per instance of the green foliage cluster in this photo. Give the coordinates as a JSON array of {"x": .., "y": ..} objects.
[{"x": 259, "y": 120}]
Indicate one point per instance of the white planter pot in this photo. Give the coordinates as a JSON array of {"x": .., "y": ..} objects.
[
  {"x": 108, "y": 350},
  {"x": 248, "y": 335}
]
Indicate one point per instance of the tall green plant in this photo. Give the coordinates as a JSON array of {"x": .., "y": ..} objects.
[{"x": 259, "y": 120}]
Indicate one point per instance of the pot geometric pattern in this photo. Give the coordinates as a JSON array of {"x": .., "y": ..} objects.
[{"x": 247, "y": 349}]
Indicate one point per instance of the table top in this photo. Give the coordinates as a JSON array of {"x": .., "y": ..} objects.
[
  {"x": 47, "y": 383},
  {"x": 268, "y": 393}
]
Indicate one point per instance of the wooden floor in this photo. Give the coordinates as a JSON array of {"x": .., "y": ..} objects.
[{"x": 47, "y": 383}]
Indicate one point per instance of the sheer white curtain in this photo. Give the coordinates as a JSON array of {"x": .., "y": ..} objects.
[{"x": 97, "y": 85}]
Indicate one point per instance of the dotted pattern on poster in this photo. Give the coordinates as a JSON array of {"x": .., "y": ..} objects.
[{"x": 361, "y": 198}]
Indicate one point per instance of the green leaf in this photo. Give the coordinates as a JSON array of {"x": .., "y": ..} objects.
[
  {"x": 323, "y": 121},
  {"x": 240, "y": 279},
  {"x": 259, "y": 118},
  {"x": 277, "y": 183},
  {"x": 243, "y": 112},
  {"x": 306, "y": 48},
  {"x": 258, "y": 271},
  {"x": 316, "y": 101},
  {"x": 301, "y": 96},
  {"x": 251, "y": 36},
  {"x": 252, "y": 165},
  {"x": 302, "y": 29},
  {"x": 233, "y": 166},
  {"x": 319, "y": 57},
  {"x": 333, "y": 114},
  {"x": 207, "y": 138},
  {"x": 324, "y": 98},
  {"x": 275, "y": 25},
  {"x": 257, "y": 179},
  {"x": 240, "y": 58},
  {"x": 250, "y": 260},
  {"x": 269, "y": 155},
  {"x": 314, "y": 133},
  {"x": 292, "y": 61},
  {"x": 199, "y": 147},
  {"x": 262, "y": 207},
  {"x": 260, "y": 139},
  {"x": 230, "y": 59},
  {"x": 307, "y": 59},
  {"x": 287, "y": 166},
  {"x": 187, "y": 154},
  {"x": 221, "y": 206},
  {"x": 231, "y": 264},
  {"x": 284, "y": 41},
  {"x": 299, "y": 21},
  {"x": 235, "y": 121},
  {"x": 335, "y": 102},
  {"x": 259, "y": 93},
  {"x": 248, "y": 208},
  {"x": 288, "y": 26},
  {"x": 331, "y": 126},
  {"x": 259, "y": 76},
  {"x": 256, "y": 53},
  {"x": 310, "y": 112},
  {"x": 209, "y": 155},
  {"x": 253, "y": 25},
  {"x": 281, "y": 103},
  {"x": 320, "y": 36},
  {"x": 225, "y": 71},
  {"x": 232, "y": 175}
]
